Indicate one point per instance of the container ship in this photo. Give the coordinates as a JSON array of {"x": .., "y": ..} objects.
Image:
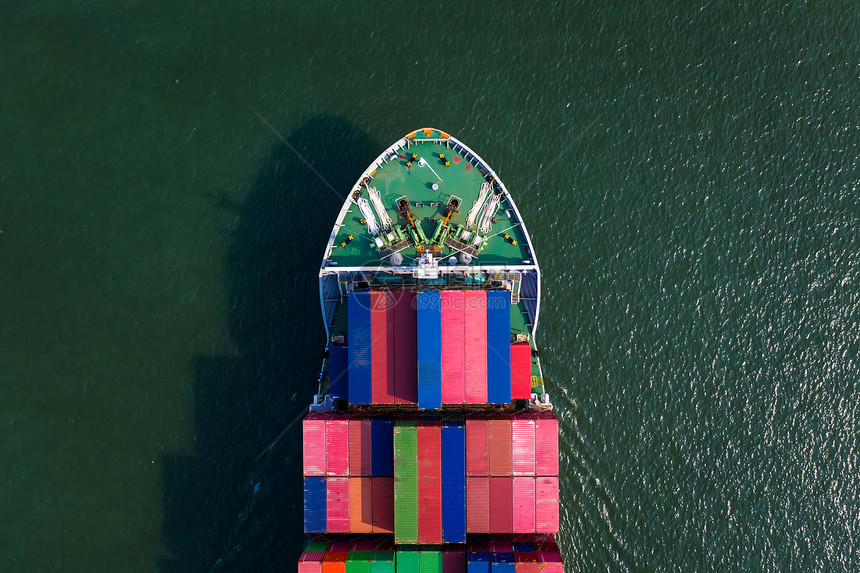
[{"x": 431, "y": 445}]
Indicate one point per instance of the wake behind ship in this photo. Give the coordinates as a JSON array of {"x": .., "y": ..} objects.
[{"x": 431, "y": 445}]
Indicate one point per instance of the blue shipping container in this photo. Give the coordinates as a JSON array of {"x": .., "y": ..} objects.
[
  {"x": 429, "y": 385},
  {"x": 429, "y": 337},
  {"x": 315, "y": 505},
  {"x": 478, "y": 561},
  {"x": 382, "y": 447},
  {"x": 503, "y": 557},
  {"x": 504, "y": 568},
  {"x": 524, "y": 547},
  {"x": 454, "y": 483},
  {"x": 358, "y": 313},
  {"x": 498, "y": 347},
  {"x": 338, "y": 359}
]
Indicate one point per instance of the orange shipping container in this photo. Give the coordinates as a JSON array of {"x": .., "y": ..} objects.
[{"x": 360, "y": 505}]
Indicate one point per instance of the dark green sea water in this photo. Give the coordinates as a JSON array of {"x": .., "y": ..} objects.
[{"x": 689, "y": 171}]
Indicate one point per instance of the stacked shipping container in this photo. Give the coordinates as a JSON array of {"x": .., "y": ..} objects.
[
  {"x": 348, "y": 469},
  {"x": 382, "y": 359},
  {"x": 512, "y": 485},
  {"x": 429, "y": 488},
  {"x": 498, "y": 474},
  {"x": 520, "y": 554},
  {"x": 430, "y": 348},
  {"x": 431, "y": 478}
]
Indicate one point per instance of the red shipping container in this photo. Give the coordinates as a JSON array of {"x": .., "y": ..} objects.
[
  {"x": 337, "y": 504},
  {"x": 526, "y": 557},
  {"x": 405, "y": 348},
  {"x": 500, "y": 447},
  {"x": 454, "y": 559},
  {"x": 383, "y": 505},
  {"x": 546, "y": 505},
  {"x": 478, "y": 545},
  {"x": 382, "y": 347},
  {"x": 477, "y": 505},
  {"x": 524, "y": 504},
  {"x": 429, "y": 450},
  {"x": 521, "y": 371},
  {"x": 313, "y": 445},
  {"x": 475, "y": 346},
  {"x": 527, "y": 563},
  {"x": 337, "y": 445},
  {"x": 360, "y": 448},
  {"x": 501, "y": 505},
  {"x": 502, "y": 544},
  {"x": 477, "y": 447},
  {"x": 546, "y": 444},
  {"x": 546, "y": 543},
  {"x": 453, "y": 356},
  {"x": 360, "y": 505},
  {"x": 335, "y": 562},
  {"x": 523, "y": 445}
]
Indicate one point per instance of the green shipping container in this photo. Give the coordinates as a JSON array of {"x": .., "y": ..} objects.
[
  {"x": 383, "y": 562},
  {"x": 407, "y": 562},
  {"x": 358, "y": 562},
  {"x": 316, "y": 546},
  {"x": 405, "y": 482},
  {"x": 431, "y": 562}
]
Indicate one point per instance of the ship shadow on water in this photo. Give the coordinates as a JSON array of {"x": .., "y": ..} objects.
[{"x": 225, "y": 509}]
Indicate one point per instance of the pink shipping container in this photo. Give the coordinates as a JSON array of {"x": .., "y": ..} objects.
[
  {"x": 383, "y": 505},
  {"x": 477, "y": 505},
  {"x": 523, "y": 446},
  {"x": 546, "y": 505},
  {"x": 337, "y": 445},
  {"x": 501, "y": 505},
  {"x": 527, "y": 562},
  {"x": 453, "y": 355},
  {"x": 500, "y": 447},
  {"x": 454, "y": 559},
  {"x": 337, "y": 505},
  {"x": 313, "y": 445},
  {"x": 546, "y": 444},
  {"x": 359, "y": 448},
  {"x": 429, "y": 453},
  {"x": 475, "y": 346},
  {"x": 550, "y": 562},
  {"x": 382, "y": 347},
  {"x": 311, "y": 561},
  {"x": 521, "y": 371},
  {"x": 524, "y": 504}
]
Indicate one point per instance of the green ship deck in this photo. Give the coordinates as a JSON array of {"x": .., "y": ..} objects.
[{"x": 461, "y": 179}]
